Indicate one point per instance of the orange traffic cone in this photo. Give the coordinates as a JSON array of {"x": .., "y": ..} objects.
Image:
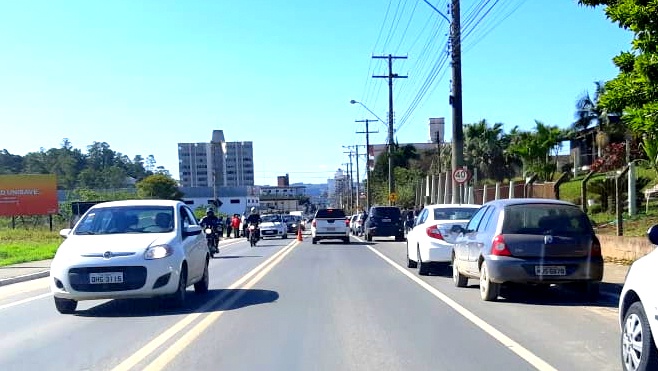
[{"x": 299, "y": 234}]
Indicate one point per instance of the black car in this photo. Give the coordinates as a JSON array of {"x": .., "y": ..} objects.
[
  {"x": 384, "y": 221},
  {"x": 293, "y": 223}
]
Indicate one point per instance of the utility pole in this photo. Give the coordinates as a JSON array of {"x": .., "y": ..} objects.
[
  {"x": 349, "y": 188},
  {"x": 350, "y": 154},
  {"x": 367, "y": 133},
  {"x": 456, "y": 97},
  {"x": 390, "y": 77}
]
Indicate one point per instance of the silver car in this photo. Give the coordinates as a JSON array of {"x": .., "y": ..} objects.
[{"x": 528, "y": 241}]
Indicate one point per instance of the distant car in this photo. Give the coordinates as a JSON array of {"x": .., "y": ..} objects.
[
  {"x": 130, "y": 249},
  {"x": 384, "y": 221},
  {"x": 430, "y": 241},
  {"x": 273, "y": 225},
  {"x": 293, "y": 223},
  {"x": 329, "y": 224},
  {"x": 353, "y": 220},
  {"x": 528, "y": 241},
  {"x": 638, "y": 312}
]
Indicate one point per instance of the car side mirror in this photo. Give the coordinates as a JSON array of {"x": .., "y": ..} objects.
[
  {"x": 191, "y": 230},
  {"x": 65, "y": 232},
  {"x": 652, "y": 234}
]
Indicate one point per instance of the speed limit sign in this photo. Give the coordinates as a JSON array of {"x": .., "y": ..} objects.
[{"x": 461, "y": 175}]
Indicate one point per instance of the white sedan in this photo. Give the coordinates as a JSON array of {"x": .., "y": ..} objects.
[
  {"x": 638, "y": 312},
  {"x": 130, "y": 249},
  {"x": 431, "y": 239}
]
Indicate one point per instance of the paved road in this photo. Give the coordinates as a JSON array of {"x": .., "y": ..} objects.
[{"x": 286, "y": 305}]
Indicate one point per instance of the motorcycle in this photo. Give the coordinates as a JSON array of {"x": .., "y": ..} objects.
[
  {"x": 212, "y": 239},
  {"x": 253, "y": 234}
]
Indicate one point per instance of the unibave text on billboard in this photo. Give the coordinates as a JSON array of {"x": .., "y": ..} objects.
[{"x": 28, "y": 194}]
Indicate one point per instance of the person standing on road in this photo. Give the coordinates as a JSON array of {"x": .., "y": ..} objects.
[
  {"x": 235, "y": 225},
  {"x": 228, "y": 226}
]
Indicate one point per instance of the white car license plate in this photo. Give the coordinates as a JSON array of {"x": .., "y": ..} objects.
[
  {"x": 107, "y": 277},
  {"x": 269, "y": 232},
  {"x": 550, "y": 270},
  {"x": 386, "y": 220},
  {"x": 331, "y": 229}
]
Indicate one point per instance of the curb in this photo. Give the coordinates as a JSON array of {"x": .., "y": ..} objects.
[{"x": 23, "y": 278}]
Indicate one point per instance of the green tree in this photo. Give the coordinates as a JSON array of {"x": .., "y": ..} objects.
[
  {"x": 484, "y": 150},
  {"x": 535, "y": 148},
  {"x": 634, "y": 92},
  {"x": 159, "y": 186}
]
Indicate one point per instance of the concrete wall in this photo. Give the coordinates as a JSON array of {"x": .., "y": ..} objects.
[{"x": 620, "y": 247}]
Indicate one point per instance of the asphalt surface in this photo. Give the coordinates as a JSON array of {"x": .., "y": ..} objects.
[{"x": 285, "y": 305}]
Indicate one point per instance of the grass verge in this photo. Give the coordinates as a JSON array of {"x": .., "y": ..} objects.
[{"x": 20, "y": 246}]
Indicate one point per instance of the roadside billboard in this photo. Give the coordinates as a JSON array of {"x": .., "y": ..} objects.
[{"x": 28, "y": 194}]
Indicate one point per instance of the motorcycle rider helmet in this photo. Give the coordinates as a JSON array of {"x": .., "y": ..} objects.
[
  {"x": 210, "y": 211},
  {"x": 253, "y": 210}
]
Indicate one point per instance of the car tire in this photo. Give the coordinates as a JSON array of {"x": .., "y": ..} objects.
[
  {"x": 368, "y": 237},
  {"x": 410, "y": 263},
  {"x": 65, "y": 306},
  {"x": 399, "y": 238},
  {"x": 489, "y": 291},
  {"x": 423, "y": 268},
  {"x": 346, "y": 240},
  {"x": 177, "y": 300},
  {"x": 636, "y": 328},
  {"x": 457, "y": 278},
  {"x": 314, "y": 241},
  {"x": 201, "y": 287},
  {"x": 285, "y": 236}
]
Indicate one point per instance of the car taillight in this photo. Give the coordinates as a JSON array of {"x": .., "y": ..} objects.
[
  {"x": 434, "y": 232},
  {"x": 499, "y": 247},
  {"x": 314, "y": 224},
  {"x": 596, "y": 247},
  {"x": 347, "y": 223}
]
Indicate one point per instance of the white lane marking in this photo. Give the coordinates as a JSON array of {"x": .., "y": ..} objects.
[
  {"x": 154, "y": 344},
  {"x": 190, "y": 336},
  {"x": 512, "y": 345},
  {"x": 27, "y": 300}
]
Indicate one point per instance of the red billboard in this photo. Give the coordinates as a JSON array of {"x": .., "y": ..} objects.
[{"x": 28, "y": 194}]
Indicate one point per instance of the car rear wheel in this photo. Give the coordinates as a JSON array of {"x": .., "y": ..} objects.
[
  {"x": 410, "y": 263},
  {"x": 457, "y": 278},
  {"x": 423, "y": 268},
  {"x": 346, "y": 240},
  {"x": 489, "y": 291},
  {"x": 201, "y": 287},
  {"x": 65, "y": 306},
  {"x": 285, "y": 236},
  {"x": 314, "y": 241},
  {"x": 368, "y": 237},
  {"x": 638, "y": 351}
]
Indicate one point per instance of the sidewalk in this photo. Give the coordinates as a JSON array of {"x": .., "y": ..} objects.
[{"x": 613, "y": 274}]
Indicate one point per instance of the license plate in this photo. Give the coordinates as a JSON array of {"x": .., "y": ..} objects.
[
  {"x": 331, "y": 229},
  {"x": 269, "y": 232},
  {"x": 386, "y": 220},
  {"x": 108, "y": 277},
  {"x": 550, "y": 270}
]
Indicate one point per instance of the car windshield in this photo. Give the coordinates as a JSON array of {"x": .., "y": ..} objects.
[
  {"x": 454, "y": 213},
  {"x": 385, "y": 212},
  {"x": 126, "y": 219},
  {"x": 545, "y": 219},
  {"x": 271, "y": 218}
]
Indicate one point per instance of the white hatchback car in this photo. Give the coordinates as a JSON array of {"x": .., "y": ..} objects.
[
  {"x": 431, "y": 239},
  {"x": 273, "y": 225},
  {"x": 638, "y": 312},
  {"x": 130, "y": 249}
]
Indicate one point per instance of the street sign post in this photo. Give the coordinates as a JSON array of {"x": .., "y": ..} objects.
[{"x": 461, "y": 176}]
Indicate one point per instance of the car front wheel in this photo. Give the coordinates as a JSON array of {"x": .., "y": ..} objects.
[
  {"x": 638, "y": 351},
  {"x": 178, "y": 298},
  {"x": 65, "y": 306},
  {"x": 201, "y": 287},
  {"x": 410, "y": 263},
  {"x": 457, "y": 278}
]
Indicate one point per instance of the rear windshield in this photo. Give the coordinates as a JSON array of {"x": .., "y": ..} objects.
[
  {"x": 330, "y": 213},
  {"x": 385, "y": 212},
  {"x": 454, "y": 213},
  {"x": 545, "y": 219}
]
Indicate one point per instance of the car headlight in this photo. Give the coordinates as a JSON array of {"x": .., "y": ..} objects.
[{"x": 158, "y": 252}]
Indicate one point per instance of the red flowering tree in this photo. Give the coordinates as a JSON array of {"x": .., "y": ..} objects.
[{"x": 613, "y": 157}]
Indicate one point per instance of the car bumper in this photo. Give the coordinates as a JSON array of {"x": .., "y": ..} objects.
[
  {"x": 330, "y": 235},
  {"x": 271, "y": 233},
  {"x": 509, "y": 269},
  {"x": 142, "y": 279},
  {"x": 437, "y": 253},
  {"x": 385, "y": 231}
]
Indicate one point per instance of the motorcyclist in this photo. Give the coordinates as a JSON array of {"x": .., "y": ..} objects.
[
  {"x": 214, "y": 223},
  {"x": 253, "y": 218}
]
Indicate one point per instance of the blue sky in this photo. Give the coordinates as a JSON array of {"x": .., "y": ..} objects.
[{"x": 146, "y": 75}]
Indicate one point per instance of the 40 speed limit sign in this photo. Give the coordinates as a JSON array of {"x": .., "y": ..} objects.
[{"x": 461, "y": 175}]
